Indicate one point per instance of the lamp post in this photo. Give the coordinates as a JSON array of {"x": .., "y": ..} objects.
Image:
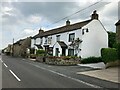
[{"x": 13, "y": 48}]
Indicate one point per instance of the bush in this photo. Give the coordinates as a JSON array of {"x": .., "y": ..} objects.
[
  {"x": 40, "y": 52},
  {"x": 118, "y": 50},
  {"x": 91, "y": 60},
  {"x": 109, "y": 54}
]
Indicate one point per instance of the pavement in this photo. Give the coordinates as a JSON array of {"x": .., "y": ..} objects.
[
  {"x": 99, "y": 65},
  {"x": 109, "y": 74}
]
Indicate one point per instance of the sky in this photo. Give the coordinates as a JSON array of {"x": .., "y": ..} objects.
[{"x": 21, "y": 19}]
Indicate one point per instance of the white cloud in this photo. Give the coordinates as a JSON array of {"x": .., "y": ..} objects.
[
  {"x": 34, "y": 19},
  {"x": 6, "y": 11},
  {"x": 109, "y": 16},
  {"x": 28, "y": 31}
]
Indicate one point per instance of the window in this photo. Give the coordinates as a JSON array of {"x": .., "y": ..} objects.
[
  {"x": 41, "y": 40},
  {"x": 58, "y": 38},
  {"x": 46, "y": 40},
  {"x": 70, "y": 52},
  {"x": 71, "y": 37},
  {"x": 82, "y": 31},
  {"x": 49, "y": 40}
]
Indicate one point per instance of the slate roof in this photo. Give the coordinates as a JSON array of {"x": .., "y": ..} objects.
[
  {"x": 39, "y": 46},
  {"x": 118, "y": 23},
  {"x": 63, "y": 29},
  {"x": 62, "y": 44}
]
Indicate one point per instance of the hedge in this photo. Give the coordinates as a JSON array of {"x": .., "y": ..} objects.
[
  {"x": 40, "y": 52},
  {"x": 91, "y": 60},
  {"x": 118, "y": 50},
  {"x": 109, "y": 54}
]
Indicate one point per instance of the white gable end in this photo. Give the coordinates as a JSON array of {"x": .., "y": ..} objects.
[{"x": 93, "y": 40}]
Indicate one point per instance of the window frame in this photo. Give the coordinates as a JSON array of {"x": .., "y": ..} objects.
[
  {"x": 57, "y": 37},
  {"x": 69, "y": 37},
  {"x": 69, "y": 54}
]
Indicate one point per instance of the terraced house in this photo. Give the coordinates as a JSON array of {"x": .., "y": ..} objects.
[{"x": 84, "y": 39}]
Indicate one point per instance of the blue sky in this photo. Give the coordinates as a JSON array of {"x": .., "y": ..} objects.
[{"x": 21, "y": 19}]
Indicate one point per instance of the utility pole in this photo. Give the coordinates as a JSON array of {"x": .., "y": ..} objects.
[{"x": 13, "y": 48}]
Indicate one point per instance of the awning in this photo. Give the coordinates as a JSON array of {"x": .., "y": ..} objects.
[
  {"x": 62, "y": 44},
  {"x": 38, "y": 46}
]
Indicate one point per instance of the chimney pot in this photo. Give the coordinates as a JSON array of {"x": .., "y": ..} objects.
[
  {"x": 41, "y": 31},
  {"x": 67, "y": 22},
  {"x": 94, "y": 15}
]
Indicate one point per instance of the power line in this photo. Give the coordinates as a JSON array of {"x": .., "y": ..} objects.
[{"x": 75, "y": 13}]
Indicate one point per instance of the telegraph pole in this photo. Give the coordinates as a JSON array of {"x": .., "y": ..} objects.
[{"x": 13, "y": 48}]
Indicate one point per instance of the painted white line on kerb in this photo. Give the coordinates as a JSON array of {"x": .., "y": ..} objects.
[
  {"x": 63, "y": 75},
  {"x": 15, "y": 75},
  {"x": 5, "y": 65}
]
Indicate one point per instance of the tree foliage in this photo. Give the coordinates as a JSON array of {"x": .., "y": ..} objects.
[{"x": 111, "y": 39}]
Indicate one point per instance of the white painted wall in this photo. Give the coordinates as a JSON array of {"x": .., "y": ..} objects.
[
  {"x": 32, "y": 43},
  {"x": 94, "y": 40},
  {"x": 37, "y": 40}
]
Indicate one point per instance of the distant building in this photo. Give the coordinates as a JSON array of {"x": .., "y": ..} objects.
[
  {"x": 19, "y": 48},
  {"x": 118, "y": 31},
  {"x": 84, "y": 39}
]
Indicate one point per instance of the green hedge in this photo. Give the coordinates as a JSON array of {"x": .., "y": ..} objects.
[
  {"x": 118, "y": 50},
  {"x": 109, "y": 54},
  {"x": 91, "y": 60},
  {"x": 40, "y": 52}
]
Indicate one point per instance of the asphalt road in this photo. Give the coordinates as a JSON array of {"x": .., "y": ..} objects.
[{"x": 23, "y": 73}]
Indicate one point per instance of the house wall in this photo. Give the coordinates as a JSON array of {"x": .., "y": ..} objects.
[
  {"x": 118, "y": 33},
  {"x": 94, "y": 40},
  {"x": 17, "y": 50},
  {"x": 32, "y": 43},
  {"x": 21, "y": 49}
]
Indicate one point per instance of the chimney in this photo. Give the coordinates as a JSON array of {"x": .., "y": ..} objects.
[
  {"x": 94, "y": 15},
  {"x": 67, "y": 22},
  {"x": 118, "y": 31},
  {"x": 41, "y": 31}
]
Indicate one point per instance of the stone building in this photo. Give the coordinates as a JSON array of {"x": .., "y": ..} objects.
[
  {"x": 21, "y": 47},
  {"x": 118, "y": 31}
]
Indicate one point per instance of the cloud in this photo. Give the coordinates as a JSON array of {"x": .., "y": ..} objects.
[{"x": 34, "y": 19}]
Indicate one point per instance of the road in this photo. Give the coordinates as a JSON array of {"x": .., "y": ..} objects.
[{"x": 24, "y": 73}]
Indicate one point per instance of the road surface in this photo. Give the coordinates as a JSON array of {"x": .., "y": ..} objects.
[{"x": 23, "y": 73}]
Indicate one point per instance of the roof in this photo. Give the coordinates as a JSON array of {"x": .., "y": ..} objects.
[
  {"x": 62, "y": 44},
  {"x": 38, "y": 46},
  {"x": 118, "y": 23},
  {"x": 62, "y": 29}
]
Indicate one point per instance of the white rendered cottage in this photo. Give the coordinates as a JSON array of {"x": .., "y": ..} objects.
[{"x": 84, "y": 39}]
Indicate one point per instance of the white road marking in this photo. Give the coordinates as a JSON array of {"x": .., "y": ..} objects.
[
  {"x": 5, "y": 65},
  {"x": 1, "y": 60},
  {"x": 63, "y": 75},
  {"x": 23, "y": 59},
  {"x": 15, "y": 75}
]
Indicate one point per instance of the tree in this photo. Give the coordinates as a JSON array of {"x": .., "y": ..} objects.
[
  {"x": 111, "y": 39},
  {"x": 75, "y": 45}
]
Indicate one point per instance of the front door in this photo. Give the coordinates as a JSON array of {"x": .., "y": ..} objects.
[
  {"x": 63, "y": 51},
  {"x": 57, "y": 51}
]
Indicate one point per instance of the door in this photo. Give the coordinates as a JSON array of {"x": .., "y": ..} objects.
[
  {"x": 63, "y": 51},
  {"x": 57, "y": 51}
]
